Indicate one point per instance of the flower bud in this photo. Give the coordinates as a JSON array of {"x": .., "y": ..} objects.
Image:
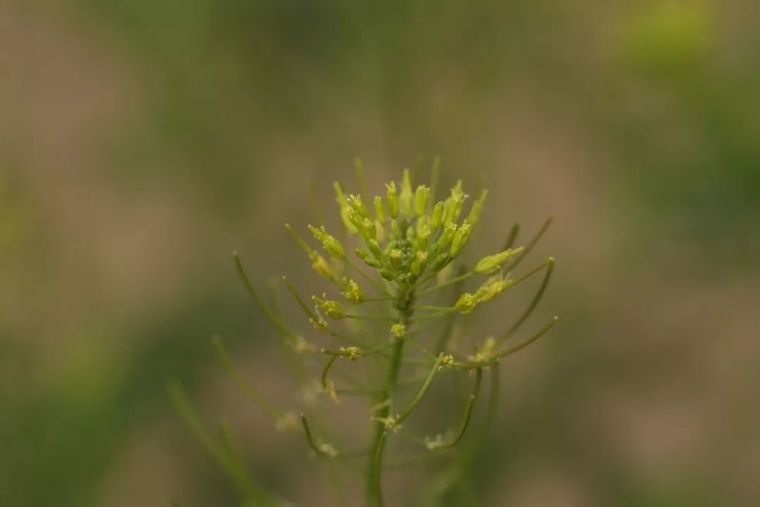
[
  {"x": 437, "y": 217},
  {"x": 380, "y": 231},
  {"x": 466, "y": 303},
  {"x": 484, "y": 352},
  {"x": 355, "y": 201},
  {"x": 448, "y": 234},
  {"x": 351, "y": 353},
  {"x": 330, "y": 307},
  {"x": 491, "y": 288},
  {"x": 367, "y": 258},
  {"x": 421, "y": 197},
  {"x": 419, "y": 262},
  {"x": 406, "y": 195},
  {"x": 374, "y": 247},
  {"x": 352, "y": 291},
  {"x": 398, "y": 330},
  {"x": 396, "y": 257},
  {"x": 343, "y": 204},
  {"x": 492, "y": 263},
  {"x": 328, "y": 241},
  {"x": 477, "y": 209},
  {"x": 392, "y": 195},
  {"x": 461, "y": 237},
  {"x": 379, "y": 209},
  {"x": 323, "y": 269},
  {"x": 440, "y": 261},
  {"x": 453, "y": 207},
  {"x": 423, "y": 233}
]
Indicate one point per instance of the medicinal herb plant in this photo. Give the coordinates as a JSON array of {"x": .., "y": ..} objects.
[{"x": 394, "y": 286}]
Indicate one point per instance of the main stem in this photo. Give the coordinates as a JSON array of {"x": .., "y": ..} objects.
[{"x": 404, "y": 303}]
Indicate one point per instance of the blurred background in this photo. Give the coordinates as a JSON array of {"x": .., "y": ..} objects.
[{"x": 142, "y": 141}]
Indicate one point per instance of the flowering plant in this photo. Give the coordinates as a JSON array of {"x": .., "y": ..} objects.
[{"x": 398, "y": 256}]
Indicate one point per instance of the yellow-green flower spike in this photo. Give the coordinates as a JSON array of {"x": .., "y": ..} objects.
[{"x": 410, "y": 243}]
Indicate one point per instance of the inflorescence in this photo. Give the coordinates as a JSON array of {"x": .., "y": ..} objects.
[{"x": 398, "y": 256}]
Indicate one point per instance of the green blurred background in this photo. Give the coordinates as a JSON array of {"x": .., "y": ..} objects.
[{"x": 142, "y": 141}]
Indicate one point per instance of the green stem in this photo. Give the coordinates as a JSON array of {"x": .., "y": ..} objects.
[{"x": 374, "y": 493}]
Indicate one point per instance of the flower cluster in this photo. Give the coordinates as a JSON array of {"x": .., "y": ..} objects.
[{"x": 398, "y": 280}]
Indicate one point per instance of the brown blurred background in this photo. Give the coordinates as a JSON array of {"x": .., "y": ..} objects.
[{"x": 142, "y": 141}]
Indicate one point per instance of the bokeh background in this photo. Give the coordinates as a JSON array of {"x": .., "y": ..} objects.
[{"x": 142, "y": 141}]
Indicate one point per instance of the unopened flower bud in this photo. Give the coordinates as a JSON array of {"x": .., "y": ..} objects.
[
  {"x": 392, "y": 195},
  {"x": 323, "y": 269},
  {"x": 419, "y": 262},
  {"x": 440, "y": 261},
  {"x": 367, "y": 258},
  {"x": 449, "y": 230},
  {"x": 494, "y": 262},
  {"x": 395, "y": 257},
  {"x": 406, "y": 196},
  {"x": 421, "y": 197},
  {"x": 461, "y": 237},
  {"x": 453, "y": 207},
  {"x": 437, "y": 217},
  {"x": 379, "y": 209}
]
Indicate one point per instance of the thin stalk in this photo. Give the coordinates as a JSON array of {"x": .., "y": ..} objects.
[
  {"x": 274, "y": 319},
  {"x": 512, "y": 237},
  {"x": 374, "y": 494},
  {"x": 257, "y": 398},
  {"x": 319, "y": 450},
  {"x": 448, "y": 325},
  {"x": 447, "y": 283},
  {"x": 326, "y": 370},
  {"x": 520, "y": 346},
  {"x": 221, "y": 450},
  {"x": 549, "y": 264},
  {"x": 467, "y": 413},
  {"x": 421, "y": 392}
]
